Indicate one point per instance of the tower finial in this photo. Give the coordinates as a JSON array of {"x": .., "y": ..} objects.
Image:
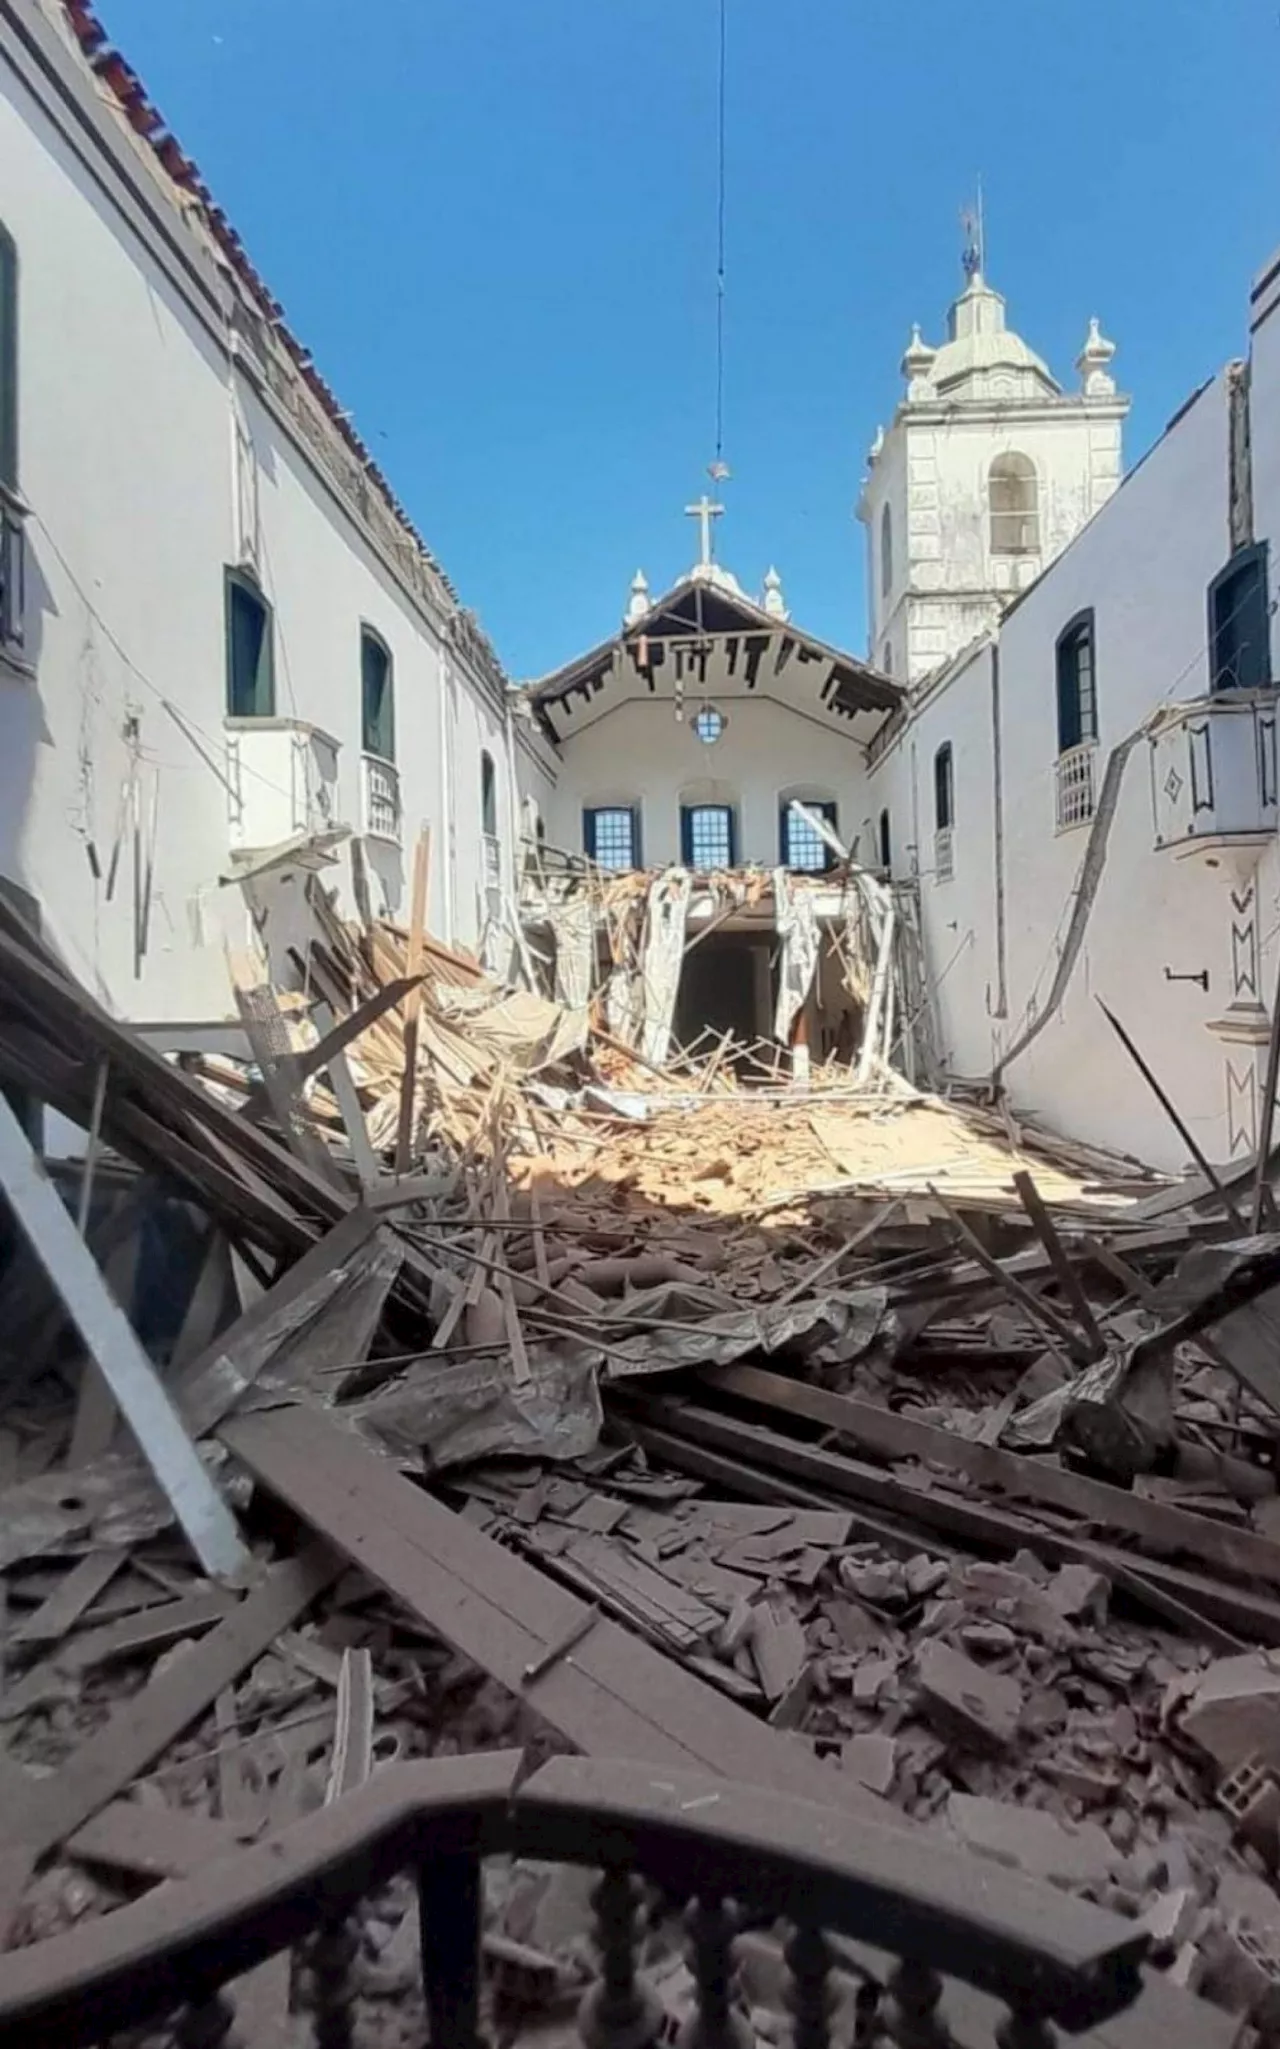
[{"x": 973, "y": 258}]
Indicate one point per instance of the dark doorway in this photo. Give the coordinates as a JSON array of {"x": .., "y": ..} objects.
[{"x": 725, "y": 986}]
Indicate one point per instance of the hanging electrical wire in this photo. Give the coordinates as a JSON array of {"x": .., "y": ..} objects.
[{"x": 718, "y": 469}]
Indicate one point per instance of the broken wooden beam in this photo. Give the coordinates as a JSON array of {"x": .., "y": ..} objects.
[
  {"x": 1068, "y": 1279},
  {"x": 933, "y": 1507},
  {"x": 1166, "y": 1530},
  {"x": 111, "y": 1343},
  {"x": 614, "y": 1696},
  {"x": 44, "y": 1812}
]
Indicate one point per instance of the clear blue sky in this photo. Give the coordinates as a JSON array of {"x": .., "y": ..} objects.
[{"x": 493, "y": 223}]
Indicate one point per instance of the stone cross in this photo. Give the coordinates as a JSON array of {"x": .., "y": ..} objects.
[{"x": 704, "y": 511}]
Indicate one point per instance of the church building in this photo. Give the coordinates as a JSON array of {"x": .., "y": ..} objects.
[
  {"x": 713, "y": 739},
  {"x": 1047, "y": 799}
]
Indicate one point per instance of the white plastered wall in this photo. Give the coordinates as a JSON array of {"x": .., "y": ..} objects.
[
  {"x": 640, "y": 754},
  {"x": 141, "y": 490}
]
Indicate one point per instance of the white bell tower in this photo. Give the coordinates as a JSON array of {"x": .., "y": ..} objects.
[{"x": 986, "y": 472}]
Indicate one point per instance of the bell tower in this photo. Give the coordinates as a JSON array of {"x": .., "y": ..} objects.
[{"x": 988, "y": 469}]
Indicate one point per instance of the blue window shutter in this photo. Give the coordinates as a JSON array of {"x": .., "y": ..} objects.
[{"x": 8, "y": 361}]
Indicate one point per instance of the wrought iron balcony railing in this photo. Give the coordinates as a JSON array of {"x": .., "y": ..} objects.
[
  {"x": 892, "y": 1921},
  {"x": 1075, "y": 785},
  {"x": 383, "y": 818}
]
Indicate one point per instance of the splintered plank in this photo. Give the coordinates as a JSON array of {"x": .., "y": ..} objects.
[
  {"x": 67, "y": 1603},
  {"x": 110, "y": 1341},
  {"x": 44, "y": 1812},
  {"x": 611, "y": 1696},
  {"x": 413, "y": 998},
  {"x": 153, "y": 1842}
]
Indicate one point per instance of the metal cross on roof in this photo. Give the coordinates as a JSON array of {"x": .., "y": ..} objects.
[{"x": 705, "y": 511}]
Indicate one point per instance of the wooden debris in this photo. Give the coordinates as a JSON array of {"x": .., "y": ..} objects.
[{"x": 111, "y": 1342}]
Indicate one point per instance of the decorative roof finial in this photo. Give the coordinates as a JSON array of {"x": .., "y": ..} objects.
[
  {"x": 773, "y": 602},
  {"x": 917, "y": 362},
  {"x": 974, "y": 255},
  {"x": 638, "y": 603},
  {"x": 1094, "y": 363}
]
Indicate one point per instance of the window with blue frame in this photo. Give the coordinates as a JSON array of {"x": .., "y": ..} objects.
[
  {"x": 377, "y": 696},
  {"x": 12, "y": 547},
  {"x": 708, "y": 836},
  {"x": 251, "y": 667},
  {"x": 800, "y": 845},
  {"x": 8, "y": 360},
  {"x": 611, "y": 835},
  {"x": 1077, "y": 684},
  {"x": 1240, "y": 623}
]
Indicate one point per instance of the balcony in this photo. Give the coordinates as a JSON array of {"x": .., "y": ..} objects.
[
  {"x": 1213, "y": 772},
  {"x": 383, "y": 816},
  {"x": 944, "y": 864},
  {"x": 282, "y": 781},
  {"x": 1076, "y": 777}
]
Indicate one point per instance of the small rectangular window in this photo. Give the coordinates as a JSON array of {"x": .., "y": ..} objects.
[
  {"x": 377, "y": 697},
  {"x": 488, "y": 796},
  {"x": 707, "y": 836},
  {"x": 803, "y": 849},
  {"x": 251, "y": 669},
  {"x": 1240, "y": 623},
  {"x": 611, "y": 836},
  {"x": 943, "y": 789}
]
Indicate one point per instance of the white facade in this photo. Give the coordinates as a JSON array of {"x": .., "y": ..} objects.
[
  {"x": 1164, "y": 903},
  {"x": 945, "y": 551},
  {"x": 170, "y": 430},
  {"x": 628, "y": 735}
]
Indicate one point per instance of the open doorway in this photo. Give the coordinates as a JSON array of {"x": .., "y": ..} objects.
[{"x": 726, "y": 985}]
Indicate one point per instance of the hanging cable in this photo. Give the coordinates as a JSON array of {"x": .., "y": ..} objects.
[{"x": 720, "y": 236}]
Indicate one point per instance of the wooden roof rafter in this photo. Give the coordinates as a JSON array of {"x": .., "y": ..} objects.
[{"x": 697, "y": 617}]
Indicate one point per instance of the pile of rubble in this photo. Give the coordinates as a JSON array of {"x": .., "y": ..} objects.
[{"x": 482, "y": 1383}]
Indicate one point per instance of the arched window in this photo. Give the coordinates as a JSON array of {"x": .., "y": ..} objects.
[
  {"x": 1077, "y": 684},
  {"x": 488, "y": 797},
  {"x": 943, "y": 789},
  {"x": 708, "y": 836},
  {"x": 1013, "y": 495},
  {"x": 251, "y": 662},
  {"x": 611, "y": 836},
  {"x": 886, "y": 552},
  {"x": 944, "y": 814},
  {"x": 801, "y": 846},
  {"x": 377, "y": 696},
  {"x": 886, "y": 844}
]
